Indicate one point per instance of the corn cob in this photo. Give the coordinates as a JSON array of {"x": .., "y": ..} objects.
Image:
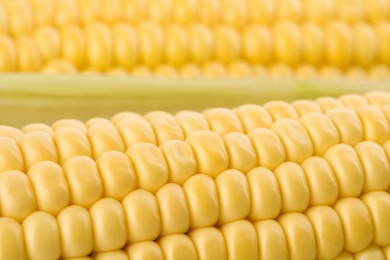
[
  {"x": 171, "y": 38},
  {"x": 310, "y": 178}
]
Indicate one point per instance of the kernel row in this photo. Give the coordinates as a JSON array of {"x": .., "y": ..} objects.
[
  {"x": 144, "y": 224},
  {"x": 319, "y": 124},
  {"x": 197, "y": 49}
]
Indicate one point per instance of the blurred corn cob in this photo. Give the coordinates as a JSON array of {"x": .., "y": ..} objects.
[{"x": 188, "y": 38}]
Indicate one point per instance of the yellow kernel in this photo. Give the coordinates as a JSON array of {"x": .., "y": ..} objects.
[
  {"x": 20, "y": 17},
  {"x": 165, "y": 71},
  {"x": 214, "y": 69},
  {"x": 177, "y": 246},
  {"x": 261, "y": 11},
  {"x": 70, "y": 142},
  {"x": 59, "y": 66},
  {"x": 347, "y": 169},
  {"x": 16, "y": 195},
  {"x": 190, "y": 70},
  {"x": 280, "y": 71},
  {"x": 176, "y": 43},
  {"x": 184, "y": 11},
  {"x": 227, "y": 44},
  {"x": 108, "y": 224},
  {"x": 202, "y": 199},
  {"x": 126, "y": 45},
  {"x": 111, "y": 11},
  {"x": 321, "y": 180},
  {"x": 241, "y": 240},
  {"x": 142, "y": 216},
  {"x": 366, "y": 45},
  {"x": 201, "y": 42},
  {"x": 370, "y": 252},
  {"x": 313, "y": 43},
  {"x": 289, "y": 10},
  {"x": 191, "y": 121},
  {"x": 173, "y": 208},
  {"x": 36, "y": 147},
  {"x": 376, "y": 10},
  {"x": 382, "y": 30},
  {"x": 66, "y": 13},
  {"x": 356, "y": 222},
  {"x": 222, "y": 120},
  {"x": 10, "y": 154},
  {"x": 149, "y": 165},
  {"x": 304, "y": 106},
  {"x": 117, "y": 174},
  {"x": 376, "y": 167},
  {"x": 240, "y": 69},
  {"x": 210, "y": 152},
  {"x": 326, "y": 224},
  {"x": 319, "y": 11},
  {"x": 100, "y": 45},
  {"x": 29, "y": 59},
  {"x": 51, "y": 188},
  {"x": 43, "y": 12},
  {"x": 353, "y": 100},
  {"x": 11, "y": 132},
  {"x": 287, "y": 40},
  {"x": 89, "y": 11},
  {"x": 330, "y": 72},
  {"x": 159, "y": 11},
  {"x": 378, "y": 204},
  {"x": 348, "y": 124},
  {"x": 241, "y": 152},
  {"x": 266, "y": 201},
  {"x": 299, "y": 235},
  {"x": 151, "y": 37},
  {"x": 3, "y": 19},
  {"x": 8, "y": 54},
  {"x": 294, "y": 189},
  {"x": 135, "y": 130},
  {"x": 11, "y": 239},
  {"x": 257, "y": 43},
  {"x": 321, "y": 130},
  {"x": 209, "y": 243},
  {"x": 379, "y": 72},
  {"x": 144, "y": 250},
  {"x": 306, "y": 71},
  {"x": 271, "y": 240},
  {"x": 166, "y": 129},
  {"x": 295, "y": 139},
  {"x": 108, "y": 255},
  {"x": 375, "y": 125},
  {"x": 280, "y": 109},
  {"x": 350, "y": 10},
  {"x": 180, "y": 159},
  {"x": 253, "y": 116},
  {"x": 85, "y": 184},
  {"x": 209, "y": 12},
  {"x": 338, "y": 44},
  {"x": 141, "y": 71},
  {"x": 103, "y": 138},
  {"x": 269, "y": 149},
  {"x": 233, "y": 205},
  {"x": 41, "y": 236},
  {"x": 234, "y": 13},
  {"x": 74, "y": 45},
  {"x": 75, "y": 226}
]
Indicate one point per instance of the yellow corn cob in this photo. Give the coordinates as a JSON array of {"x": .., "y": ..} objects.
[
  {"x": 303, "y": 180},
  {"x": 187, "y": 38}
]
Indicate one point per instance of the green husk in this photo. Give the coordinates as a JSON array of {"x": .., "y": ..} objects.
[{"x": 28, "y": 99}]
